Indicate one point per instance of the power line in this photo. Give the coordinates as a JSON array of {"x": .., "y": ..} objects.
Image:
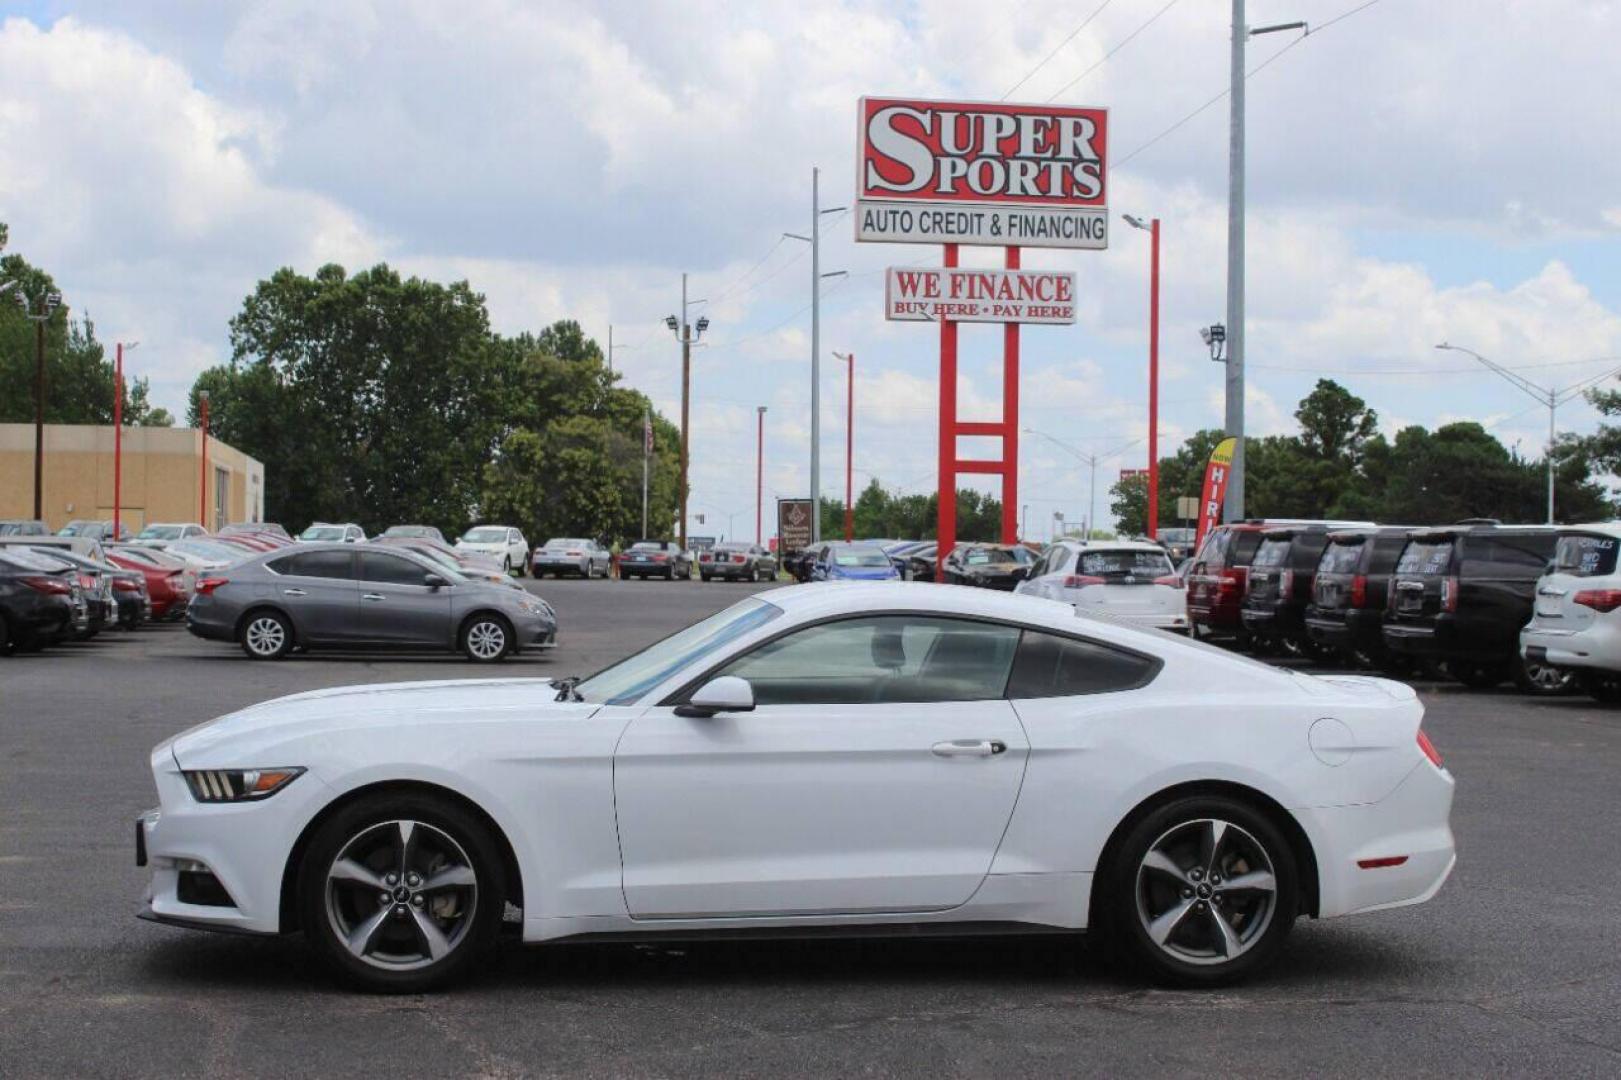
[
  {"x": 735, "y": 282},
  {"x": 1084, "y": 24},
  {"x": 1257, "y": 69},
  {"x": 1420, "y": 372},
  {"x": 1152, "y": 19}
]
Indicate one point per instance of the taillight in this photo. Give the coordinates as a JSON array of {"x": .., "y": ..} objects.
[
  {"x": 87, "y": 582},
  {"x": 1449, "y": 595},
  {"x": 1602, "y": 600},
  {"x": 1286, "y": 584},
  {"x": 1429, "y": 749},
  {"x": 1359, "y": 591},
  {"x": 1170, "y": 580},
  {"x": 1231, "y": 581},
  {"x": 738, "y": 559},
  {"x": 705, "y": 557},
  {"x": 125, "y": 585},
  {"x": 206, "y": 586},
  {"x": 49, "y": 585},
  {"x": 1080, "y": 581}
]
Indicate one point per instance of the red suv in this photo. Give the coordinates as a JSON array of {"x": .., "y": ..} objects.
[{"x": 1218, "y": 576}]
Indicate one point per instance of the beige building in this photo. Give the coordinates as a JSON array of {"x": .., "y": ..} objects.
[{"x": 162, "y": 474}]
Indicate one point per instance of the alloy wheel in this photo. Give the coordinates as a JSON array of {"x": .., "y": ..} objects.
[
  {"x": 486, "y": 639},
  {"x": 266, "y": 636},
  {"x": 1206, "y": 891},
  {"x": 401, "y": 895}
]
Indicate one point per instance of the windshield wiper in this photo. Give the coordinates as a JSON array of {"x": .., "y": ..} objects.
[{"x": 566, "y": 691}]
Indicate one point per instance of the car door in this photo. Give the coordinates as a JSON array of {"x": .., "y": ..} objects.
[
  {"x": 319, "y": 591},
  {"x": 395, "y": 607},
  {"x": 877, "y": 772}
]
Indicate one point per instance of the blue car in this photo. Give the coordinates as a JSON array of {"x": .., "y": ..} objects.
[{"x": 853, "y": 562}]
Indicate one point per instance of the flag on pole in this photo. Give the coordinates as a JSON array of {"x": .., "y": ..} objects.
[
  {"x": 647, "y": 435},
  {"x": 1215, "y": 489}
]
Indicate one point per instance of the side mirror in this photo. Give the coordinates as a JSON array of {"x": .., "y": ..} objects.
[
  {"x": 1551, "y": 568},
  {"x": 434, "y": 581},
  {"x": 729, "y": 693},
  {"x": 1020, "y": 573}
]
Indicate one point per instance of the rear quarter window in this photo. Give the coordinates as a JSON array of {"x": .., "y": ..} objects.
[
  {"x": 1244, "y": 548},
  {"x": 1586, "y": 556},
  {"x": 1047, "y": 665},
  {"x": 1506, "y": 556},
  {"x": 1340, "y": 558},
  {"x": 1425, "y": 557},
  {"x": 1271, "y": 553}
]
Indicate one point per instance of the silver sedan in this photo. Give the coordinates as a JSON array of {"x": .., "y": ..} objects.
[{"x": 345, "y": 596}]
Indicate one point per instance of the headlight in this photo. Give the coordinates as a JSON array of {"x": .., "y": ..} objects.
[{"x": 237, "y": 785}]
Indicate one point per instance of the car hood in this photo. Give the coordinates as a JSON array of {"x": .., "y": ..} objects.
[
  {"x": 317, "y": 716},
  {"x": 863, "y": 573}
]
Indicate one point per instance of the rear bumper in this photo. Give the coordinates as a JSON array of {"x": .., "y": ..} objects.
[
  {"x": 205, "y": 620},
  {"x": 1274, "y": 621},
  {"x": 1411, "y": 823},
  {"x": 1597, "y": 646},
  {"x": 1353, "y": 629},
  {"x": 1430, "y": 639}
]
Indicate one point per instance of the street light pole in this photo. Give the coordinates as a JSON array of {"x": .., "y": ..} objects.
[
  {"x": 1550, "y": 396},
  {"x": 118, "y": 439},
  {"x": 759, "y": 471},
  {"x": 683, "y": 332},
  {"x": 202, "y": 483},
  {"x": 46, "y": 307},
  {"x": 1153, "y": 372},
  {"x": 1090, "y": 460},
  {"x": 849, "y": 446},
  {"x": 814, "y": 239}
]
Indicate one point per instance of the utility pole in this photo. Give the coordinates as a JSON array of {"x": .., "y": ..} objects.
[
  {"x": 1234, "y": 511},
  {"x": 684, "y": 333},
  {"x": 647, "y": 455},
  {"x": 814, "y": 239},
  {"x": 118, "y": 439},
  {"x": 202, "y": 480},
  {"x": 759, "y": 470},
  {"x": 49, "y": 304}
]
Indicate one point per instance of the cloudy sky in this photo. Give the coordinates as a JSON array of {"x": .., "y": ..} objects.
[{"x": 1422, "y": 170}]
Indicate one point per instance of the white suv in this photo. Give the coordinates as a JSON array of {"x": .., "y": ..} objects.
[
  {"x": 503, "y": 543},
  {"x": 1132, "y": 581},
  {"x": 1576, "y": 622}
]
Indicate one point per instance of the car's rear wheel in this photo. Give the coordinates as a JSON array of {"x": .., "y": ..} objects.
[
  {"x": 486, "y": 638},
  {"x": 8, "y": 640},
  {"x": 1477, "y": 675},
  {"x": 1603, "y": 686},
  {"x": 1201, "y": 892},
  {"x": 266, "y": 635},
  {"x": 402, "y": 893},
  {"x": 1543, "y": 679}
]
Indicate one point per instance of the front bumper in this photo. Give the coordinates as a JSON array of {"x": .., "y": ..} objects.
[
  {"x": 1596, "y": 646},
  {"x": 548, "y": 565},
  {"x": 1411, "y": 823}
]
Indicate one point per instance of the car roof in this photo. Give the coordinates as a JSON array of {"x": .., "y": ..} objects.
[
  {"x": 1608, "y": 528},
  {"x": 1110, "y": 545},
  {"x": 818, "y": 598}
]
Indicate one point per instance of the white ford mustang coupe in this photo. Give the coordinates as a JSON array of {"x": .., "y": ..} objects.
[{"x": 823, "y": 759}]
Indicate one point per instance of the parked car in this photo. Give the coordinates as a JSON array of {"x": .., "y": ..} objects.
[
  {"x": 503, "y": 543},
  {"x": 1129, "y": 581},
  {"x": 341, "y": 595},
  {"x": 1574, "y": 623},
  {"x": 1351, "y": 592},
  {"x": 852, "y": 562},
  {"x": 1177, "y": 541},
  {"x": 873, "y": 756},
  {"x": 920, "y": 563},
  {"x": 23, "y": 527},
  {"x": 35, "y": 608},
  {"x": 205, "y": 553},
  {"x": 899, "y": 552},
  {"x": 585, "y": 558},
  {"x": 1220, "y": 574},
  {"x": 987, "y": 566},
  {"x": 1278, "y": 587},
  {"x": 162, "y": 534},
  {"x": 100, "y": 530},
  {"x": 323, "y": 532},
  {"x": 167, "y": 587},
  {"x": 95, "y": 589},
  {"x": 125, "y": 589},
  {"x": 1461, "y": 594},
  {"x": 737, "y": 560},
  {"x": 412, "y": 532},
  {"x": 655, "y": 558},
  {"x": 255, "y": 528},
  {"x": 798, "y": 563},
  {"x": 476, "y": 567}
]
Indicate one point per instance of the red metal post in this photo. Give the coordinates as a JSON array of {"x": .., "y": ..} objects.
[
  {"x": 849, "y": 452},
  {"x": 118, "y": 441},
  {"x": 1153, "y": 383},
  {"x": 1010, "y": 421},
  {"x": 946, "y": 523},
  {"x": 202, "y": 481},
  {"x": 759, "y": 469}
]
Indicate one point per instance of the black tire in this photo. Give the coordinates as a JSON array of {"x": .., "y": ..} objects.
[
  {"x": 1477, "y": 675},
  {"x": 486, "y": 638},
  {"x": 468, "y": 932},
  {"x": 1130, "y": 896},
  {"x": 506, "y": 565},
  {"x": 265, "y": 635},
  {"x": 1542, "y": 679},
  {"x": 704, "y": 577},
  {"x": 8, "y": 640},
  {"x": 1603, "y": 686}
]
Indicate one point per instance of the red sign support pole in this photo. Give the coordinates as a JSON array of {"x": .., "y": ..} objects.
[
  {"x": 1153, "y": 384},
  {"x": 946, "y": 525},
  {"x": 118, "y": 445},
  {"x": 1010, "y": 422}
]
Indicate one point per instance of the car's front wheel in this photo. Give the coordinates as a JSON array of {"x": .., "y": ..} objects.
[
  {"x": 401, "y": 892},
  {"x": 1201, "y": 892},
  {"x": 1543, "y": 679},
  {"x": 1477, "y": 675},
  {"x": 266, "y": 635},
  {"x": 486, "y": 638}
]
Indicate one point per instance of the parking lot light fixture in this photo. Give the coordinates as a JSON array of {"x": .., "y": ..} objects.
[
  {"x": 48, "y": 304},
  {"x": 759, "y": 469}
]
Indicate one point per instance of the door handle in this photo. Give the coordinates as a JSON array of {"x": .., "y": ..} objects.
[
  {"x": 969, "y": 748},
  {"x": 292, "y": 592},
  {"x": 371, "y": 596}
]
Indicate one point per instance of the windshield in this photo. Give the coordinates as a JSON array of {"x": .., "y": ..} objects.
[
  {"x": 1108, "y": 564},
  {"x": 646, "y": 545},
  {"x": 623, "y": 683},
  {"x": 1425, "y": 557},
  {"x": 408, "y": 530},
  {"x": 485, "y": 536},
  {"x": 205, "y": 550},
  {"x": 860, "y": 558},
  {"x": 566, "y": 543},
  {"x": 159, "y": 532},
  {"x": 322, "y": 532}
]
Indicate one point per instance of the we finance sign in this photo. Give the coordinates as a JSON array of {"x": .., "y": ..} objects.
[
  {"x": 949, "y": 294},
  {"x": 937, "y": 172}
]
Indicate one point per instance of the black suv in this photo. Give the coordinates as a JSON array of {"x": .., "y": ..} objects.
[
  {"x": 1461, "y": 594},
  {"x": 1280, "y": 585},
  {"x": 1351, "y": 592}
]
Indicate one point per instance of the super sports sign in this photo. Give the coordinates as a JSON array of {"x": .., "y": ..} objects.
[{"x": 935, "y": 172}]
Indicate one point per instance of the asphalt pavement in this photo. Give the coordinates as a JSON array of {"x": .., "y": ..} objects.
[{"x": 1514, "y": 969}]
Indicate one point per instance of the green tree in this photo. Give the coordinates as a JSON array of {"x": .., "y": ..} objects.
[{"x": 1128, "y": 502}]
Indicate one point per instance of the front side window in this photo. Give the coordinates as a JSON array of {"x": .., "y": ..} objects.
[
  {"x": 1586, "y": 556},
  {"x": 625, "y": 682},
  {"x": 1053, "y": 666},
  {"x": 390, "y": 569},
  {"x": 881, "y": 659}
]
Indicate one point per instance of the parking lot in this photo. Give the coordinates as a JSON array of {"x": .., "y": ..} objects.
[{"x": 1515, "y": 968}]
